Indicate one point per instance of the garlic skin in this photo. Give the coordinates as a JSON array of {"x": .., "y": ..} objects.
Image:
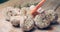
[
  {"x": 41, "y": 23},
  {"x": 51, "y": 14},
  {"x": 5, "y": 26},
  {"x": 10, "y": 11},
  {"x": 28, "y": 23},
  {"x": 5, "y": 10},
  {"x": 44, "y": 19}
]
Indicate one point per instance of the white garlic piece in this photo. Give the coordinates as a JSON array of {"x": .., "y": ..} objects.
[
  {"x": 22, "y": 20},
  {"x": 31, "y": 7},
  {"x": 15, "y": 20}
]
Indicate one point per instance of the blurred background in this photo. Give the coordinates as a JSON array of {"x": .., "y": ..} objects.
[{"x": 49, "y": 4}]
